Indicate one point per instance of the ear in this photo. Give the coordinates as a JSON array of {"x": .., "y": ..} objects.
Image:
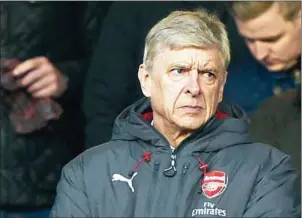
[
  {"x": 144, "y": 79},
  {"x": 222, "y": 86}
]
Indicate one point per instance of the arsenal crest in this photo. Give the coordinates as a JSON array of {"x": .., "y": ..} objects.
[{"x": 214, "y": 183}]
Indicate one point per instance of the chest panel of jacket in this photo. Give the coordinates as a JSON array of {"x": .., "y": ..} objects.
[{"x": 148, "y": 193}]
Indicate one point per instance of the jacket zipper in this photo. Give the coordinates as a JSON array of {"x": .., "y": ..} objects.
[{"x": 171, "y": 171}]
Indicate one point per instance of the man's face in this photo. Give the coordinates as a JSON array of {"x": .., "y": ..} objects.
[
  {"x": 185, "y": 86},
  {"x": 273, "y": 41}
]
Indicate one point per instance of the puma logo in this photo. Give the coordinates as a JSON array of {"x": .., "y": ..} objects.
[{"x": 119, "y": 177}]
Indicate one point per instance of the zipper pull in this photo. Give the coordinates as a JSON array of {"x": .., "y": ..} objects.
[
  {"x": 156, "y": 166},
  {"x": 171, "y": 171}
]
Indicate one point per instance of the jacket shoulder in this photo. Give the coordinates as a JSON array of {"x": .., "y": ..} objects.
[
  {"x": 98, "y": 155},
  {"x": 263, "y": 156}
]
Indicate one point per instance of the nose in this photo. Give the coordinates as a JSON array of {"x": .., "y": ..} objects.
[
  {"x": 260, "y": 50},
  {"x": 193, "y": 86}
]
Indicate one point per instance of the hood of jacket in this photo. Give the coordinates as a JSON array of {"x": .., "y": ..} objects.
[{"x": 227, "y": 128}]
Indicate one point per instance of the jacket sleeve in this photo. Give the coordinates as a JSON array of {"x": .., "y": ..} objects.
[
  {"x": 71, "y": 199},
  {"x": 276, "y": 193}
]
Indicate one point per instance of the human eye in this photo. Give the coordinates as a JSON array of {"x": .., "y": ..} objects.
[
  {"x": 178, "y": 73},
  {"x": 208, "y": 76},
  {"x": 272, "y": 39}
]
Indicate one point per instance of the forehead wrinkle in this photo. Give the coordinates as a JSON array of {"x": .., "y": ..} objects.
[
  {"x": 200, "y": 62},
  {"x": 203, "y": 63},
  {"x": 181, "y": 62}
]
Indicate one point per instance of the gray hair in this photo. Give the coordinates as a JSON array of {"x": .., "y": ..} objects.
[{"x": 181, "y": 29}]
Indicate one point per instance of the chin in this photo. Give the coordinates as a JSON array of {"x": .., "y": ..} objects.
[
  {"x": 278, "y": 67},
  {"x": 191, "y": 123}
]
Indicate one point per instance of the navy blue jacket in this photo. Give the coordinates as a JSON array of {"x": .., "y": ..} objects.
[{"x": 249, "y": 83}]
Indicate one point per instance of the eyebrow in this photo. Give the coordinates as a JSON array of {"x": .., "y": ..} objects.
[
  {"x": 209, "y": 69},
  {"x": 200, "y": 69},
  {"x": 207, "y": 66}
]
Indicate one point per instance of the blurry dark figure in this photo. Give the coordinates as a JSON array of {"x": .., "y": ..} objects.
[
  {"x": 45, "y": 49},
  {"x": 278, "y": 122},
  {"x": 112, "y": 83}
]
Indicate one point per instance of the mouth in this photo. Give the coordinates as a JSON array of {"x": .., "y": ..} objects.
[
  {"x": 269, "y": 63},
  {"x": 192, "y": 108}
]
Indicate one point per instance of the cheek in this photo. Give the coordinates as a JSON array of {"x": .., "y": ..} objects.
[
  {"x": 294, "y": 47},
  {"x": 171, "y": 96},
  {"x": 281, "y": 49},
  {"x": 212, "y": 96},
  {"x": 165, "y": 96},
  {"x": 287, "y": 46},
  {"x": 172, "y": 90},
  {"x": 251, "y": 48}
]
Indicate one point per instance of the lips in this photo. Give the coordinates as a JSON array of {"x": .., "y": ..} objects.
[
  {"x": 192, "y": 108},
  {"x": 270, "y": 61}
]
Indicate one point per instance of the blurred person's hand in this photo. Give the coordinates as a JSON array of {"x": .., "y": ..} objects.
[{"x": 40, "y": 77}]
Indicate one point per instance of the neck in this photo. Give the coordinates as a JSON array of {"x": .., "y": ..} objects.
[{"x": 170, "y": 131}]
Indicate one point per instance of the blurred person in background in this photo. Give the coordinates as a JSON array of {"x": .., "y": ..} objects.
[
  {"x": 45, "y": 49},
  {"x": 272, "y": 33}
]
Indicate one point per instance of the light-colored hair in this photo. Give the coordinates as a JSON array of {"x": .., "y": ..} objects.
[
  {"x": 183, "y": 29},
  {"x": 247, "y": 10}
]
